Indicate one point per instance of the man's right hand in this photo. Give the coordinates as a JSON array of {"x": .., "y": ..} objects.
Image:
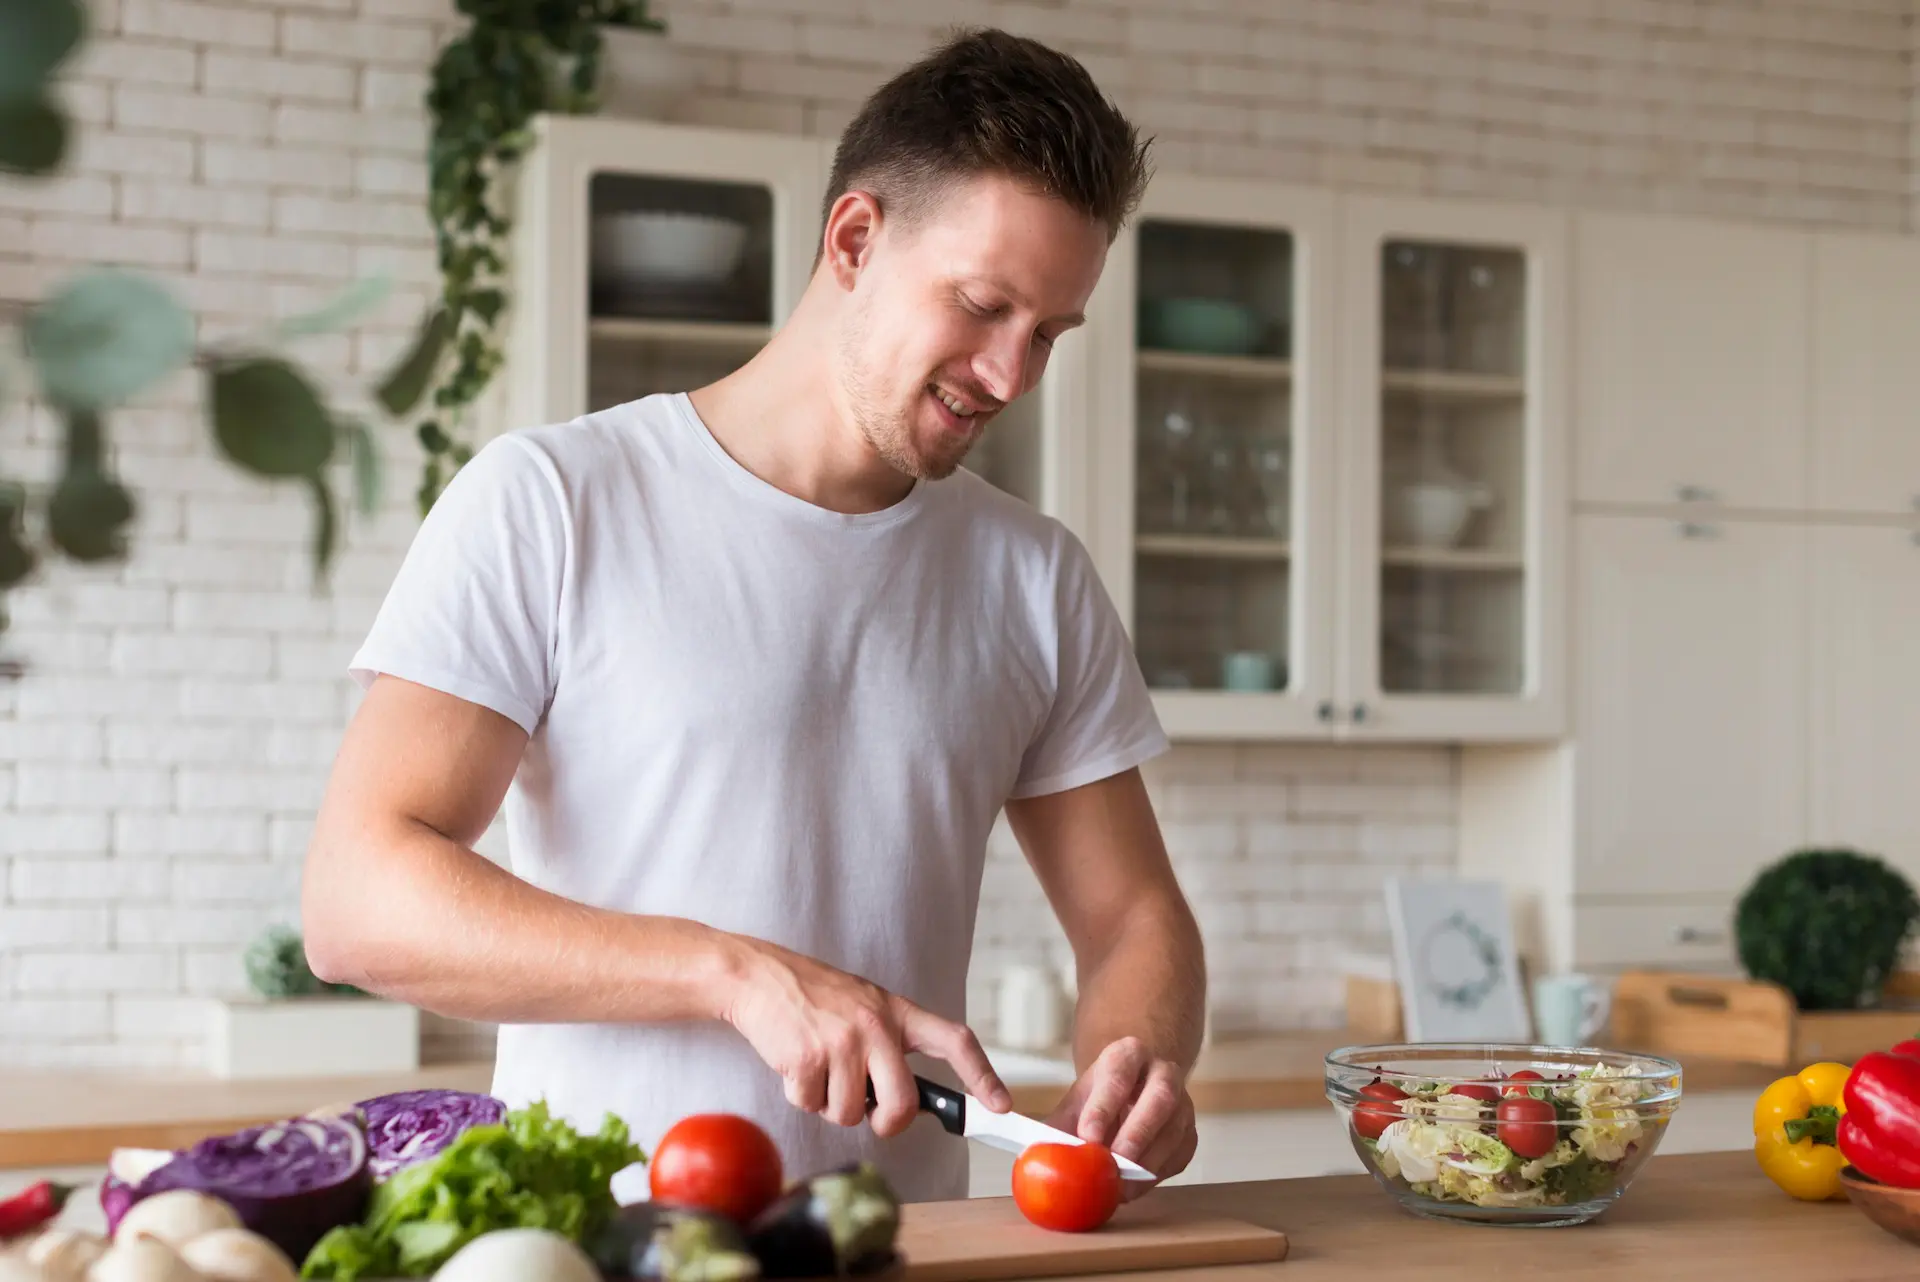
[{"x": 827, "y": 1033}]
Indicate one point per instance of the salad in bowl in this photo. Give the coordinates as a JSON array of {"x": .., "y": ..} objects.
[{"x": 1502, "y": 1134}]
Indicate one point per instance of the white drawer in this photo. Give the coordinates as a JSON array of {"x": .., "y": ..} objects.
[{"x": 1689, "y": 936}]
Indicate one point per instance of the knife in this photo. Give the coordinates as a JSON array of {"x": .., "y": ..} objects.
[{"x": 961, "y": 1114}]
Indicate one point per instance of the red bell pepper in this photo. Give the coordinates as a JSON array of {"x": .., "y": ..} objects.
[
  {"x": 32, "y": 1206},
  {"x": 1880, "y": 1131},
  {"x": 1910, "y": 1048}
]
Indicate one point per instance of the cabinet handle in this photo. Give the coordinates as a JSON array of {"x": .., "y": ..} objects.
[
  {"x": 1695, "y": 494},
  {"x": 1324, "y": 711},
  {"x": 1359, "y": 712},
  {"x": 1914, "y": 538},
  {"x": 1695, "y": 935},
  {"x": 1697, "y": 530}
]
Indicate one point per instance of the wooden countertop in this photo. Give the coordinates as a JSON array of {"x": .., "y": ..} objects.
[
  {"x": 1693, "y": 1216},
  {"x": 77, "y": 1118}
]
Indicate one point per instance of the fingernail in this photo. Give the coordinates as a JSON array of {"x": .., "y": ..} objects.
[{"x": 1002, "y": 1098}]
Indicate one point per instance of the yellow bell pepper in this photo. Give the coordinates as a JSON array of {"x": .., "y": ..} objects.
[{"x": 1793, "y": 1132}]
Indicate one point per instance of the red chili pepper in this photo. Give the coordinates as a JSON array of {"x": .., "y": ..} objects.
[
  {"x": 32, "y": 1206},
  {"x": 1880, "y": 1131}
]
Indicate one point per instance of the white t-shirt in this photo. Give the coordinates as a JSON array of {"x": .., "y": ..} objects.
[{"x": 751, "y": 711}]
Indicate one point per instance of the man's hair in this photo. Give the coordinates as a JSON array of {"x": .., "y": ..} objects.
[{"x": 987, "y": 102}]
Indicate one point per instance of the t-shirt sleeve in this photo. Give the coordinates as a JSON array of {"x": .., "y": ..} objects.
[
  {"x": 473, "y": 610},
  {"x": 1102, "y": 720}
]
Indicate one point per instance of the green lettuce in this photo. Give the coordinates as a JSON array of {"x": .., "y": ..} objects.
[{"x": 530, "y": 1171}]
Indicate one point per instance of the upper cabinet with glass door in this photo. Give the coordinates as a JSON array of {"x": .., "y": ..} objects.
[
  {"x": 1211, "y": 456},
  {"x": 654, "y": 257},
  {"x": 1453, "y": 494},
  {"x": 651, "y": 258}
]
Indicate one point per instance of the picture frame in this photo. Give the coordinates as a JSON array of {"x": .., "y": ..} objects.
[{"x": 1455, "y": 961}]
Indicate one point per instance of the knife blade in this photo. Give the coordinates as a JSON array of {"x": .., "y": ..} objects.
[{"x": 961, "y": 1114}]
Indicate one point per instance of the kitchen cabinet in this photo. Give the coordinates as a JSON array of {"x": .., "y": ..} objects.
[
  {"x": 1866, "y": 378},
  {"x": 1692, "y": 351},
  {"x": 1865, "y": 735},
  {"x": 1691, "y": 702},
  {"x": 1328, "y": 489},
  {"x": 652, "y": 257}
]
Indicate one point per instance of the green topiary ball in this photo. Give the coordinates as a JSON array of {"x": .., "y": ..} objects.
[{"x": 1827, "y": 925}]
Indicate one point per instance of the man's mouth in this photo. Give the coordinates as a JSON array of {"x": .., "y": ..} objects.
[{"x": 959, "y": 412}]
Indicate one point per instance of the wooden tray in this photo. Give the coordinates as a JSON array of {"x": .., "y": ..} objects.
[{"x": 1678, "y": 1013}]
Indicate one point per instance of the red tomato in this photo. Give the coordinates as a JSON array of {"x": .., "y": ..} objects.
[
  {"x": 1069, "y": 1188},
  {"x": 1477, "y": 1090},
  {"x": 1379, "y": 1108},
  {"x": 717, "y": 1161},
  {"x": 1524, "y": 1076},
  {"x": 1527, "y": 1125}
]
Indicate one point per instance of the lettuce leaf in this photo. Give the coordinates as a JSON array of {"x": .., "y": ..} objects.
[{"x": 532, "y": 1170}]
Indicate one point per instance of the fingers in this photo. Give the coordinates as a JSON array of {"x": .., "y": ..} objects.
[
  {"x": 1169, "y": 1152},
  {"x": 955, "y": 1043},
  {"x": 1157, "y": 1103},
  {"x": 1113, "y": 1078},
  {"x": 896, "y": 1098}
]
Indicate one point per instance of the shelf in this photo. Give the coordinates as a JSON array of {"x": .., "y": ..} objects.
[
  {"x": 1465, "y": 560},
  {"x": 1264, "y": 369},
  {"x": 629, "y": 329},
  {"x": 1212, "y": 547},
  {"x": 1446, "y": 385}
]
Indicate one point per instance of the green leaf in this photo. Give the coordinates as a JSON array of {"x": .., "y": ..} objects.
[
  {"x": 16, "y": 558},
  {"x": 348, "y": 306},
  {"x": 105, "y": 337},
  {"x": 40, "y": 34},
  {"x": 404, "y": 387},
  {"x": 269, "y": 419},
  {"x": 33, "y": 136},
  {"x": 89, "y": 511},
  {"x": 365, "y": 455},
  {"x": 326, "y": 524}
]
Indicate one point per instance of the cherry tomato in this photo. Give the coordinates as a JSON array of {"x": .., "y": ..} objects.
[
  {"x": 1523, "y": 1077},
  {"x": 1069, "y": 1188},
  {"x": 1477, "y": 1090},
  {"x": 1379, "y": 1108},
  {"x": 1526, "y": 1125},
  {"x": 719, "y": 1162}
]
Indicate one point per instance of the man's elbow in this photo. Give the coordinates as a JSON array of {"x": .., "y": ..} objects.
[{"x": 330, "y": 927}]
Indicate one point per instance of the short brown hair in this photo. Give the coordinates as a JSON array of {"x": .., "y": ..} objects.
[{"x": 984, "y": 102}]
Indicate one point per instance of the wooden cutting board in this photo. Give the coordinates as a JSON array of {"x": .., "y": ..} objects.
[{"x": 988, "y": 1240}]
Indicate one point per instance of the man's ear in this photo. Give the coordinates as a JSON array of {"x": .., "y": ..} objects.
[{"x": 853, "y": 224}]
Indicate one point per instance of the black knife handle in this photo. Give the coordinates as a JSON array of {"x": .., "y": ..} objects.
[{"x": 949, "y": 1107}]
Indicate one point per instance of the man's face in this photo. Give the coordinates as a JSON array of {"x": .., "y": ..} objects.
[{"x": 953, "y": 317}]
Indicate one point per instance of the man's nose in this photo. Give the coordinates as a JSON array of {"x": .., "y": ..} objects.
[{"x": 1002, "y": 368}]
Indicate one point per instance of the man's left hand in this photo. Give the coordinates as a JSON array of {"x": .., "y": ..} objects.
[{"x": 1137, "y": 1105}]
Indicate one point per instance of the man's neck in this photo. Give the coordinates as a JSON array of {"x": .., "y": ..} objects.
[{"x": 777, "y": 416}]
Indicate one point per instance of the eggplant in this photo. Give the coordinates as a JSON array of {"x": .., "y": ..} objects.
[
  {"x": 659, "y": 1242},
  {"x": 838, "y": 1224}
]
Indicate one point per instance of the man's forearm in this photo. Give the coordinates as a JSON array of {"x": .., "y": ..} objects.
[
  {"x": 410, "y": 914},
  {"x": 1149, "y": 983}
]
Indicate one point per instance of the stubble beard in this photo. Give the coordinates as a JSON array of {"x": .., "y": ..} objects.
[{"x": 888, "y": 431}]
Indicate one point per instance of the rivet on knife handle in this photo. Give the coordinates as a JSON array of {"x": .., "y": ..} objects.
[{"x": 949, "y": 1106}]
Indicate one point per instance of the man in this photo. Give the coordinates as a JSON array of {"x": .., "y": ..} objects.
[{"x": 756, "y": 668}]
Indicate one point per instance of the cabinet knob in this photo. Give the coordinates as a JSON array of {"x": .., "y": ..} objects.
[
  {"x": 1697, "y": 530},
  {"x": 1694, "y": 494},
  {"x": 1695, "y": 935},
  {"x": 1324, "y": 711},
  {"x": 1359, "y": 712}
]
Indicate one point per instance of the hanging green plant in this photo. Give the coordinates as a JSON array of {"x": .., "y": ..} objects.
[{"x": 519, "y": 59}]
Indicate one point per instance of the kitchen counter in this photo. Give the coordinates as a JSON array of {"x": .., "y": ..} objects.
[
  {"x": 1698, "y": 1216},
  {"x": 71, "y": 1118}
]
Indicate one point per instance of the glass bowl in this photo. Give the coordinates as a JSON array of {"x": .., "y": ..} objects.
[{"x": 1428, "y": 1122}]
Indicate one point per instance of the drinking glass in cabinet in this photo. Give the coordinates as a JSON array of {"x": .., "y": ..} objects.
[{"x": 1450, "y": 307}]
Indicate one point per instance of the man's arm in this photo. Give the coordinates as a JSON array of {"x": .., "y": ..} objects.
[
  {"x": 396, "y": 901},
  {"x": 1140, "y": 964}
]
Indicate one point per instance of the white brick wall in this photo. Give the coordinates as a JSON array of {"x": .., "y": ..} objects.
[{"x": 159, "y": 769}]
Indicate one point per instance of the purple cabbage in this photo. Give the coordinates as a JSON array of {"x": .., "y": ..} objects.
[
  {"x": 411, "y": 1126},
  {"x": 288, "y": 1181}
]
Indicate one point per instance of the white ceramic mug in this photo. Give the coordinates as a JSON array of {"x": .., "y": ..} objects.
[{"x": 1570, "y": 1010}]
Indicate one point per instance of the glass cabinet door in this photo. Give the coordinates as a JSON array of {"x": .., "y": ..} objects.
[
  {"x": 1460, "y": 422},
  {"x": 1216, "y": 538}
]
